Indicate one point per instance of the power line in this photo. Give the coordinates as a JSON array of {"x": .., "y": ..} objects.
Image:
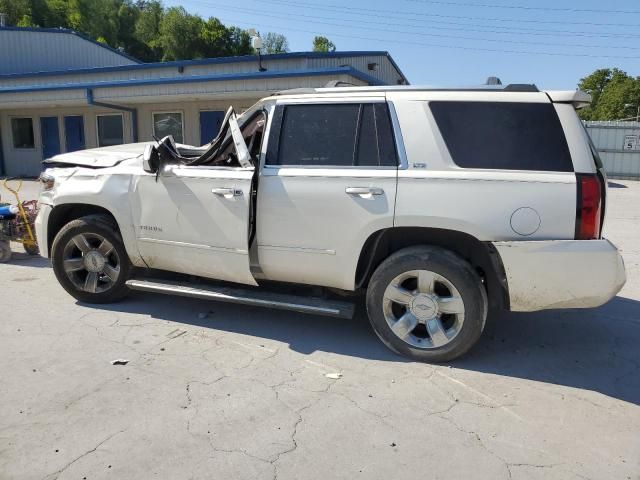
[
  {"x": 524, "y": 7},
  {"x": 437, "y": 15},
  {"x": 318, "y": 20},
  {"x": 434, "y": 45},
  {"x": 478, "y": 28}
]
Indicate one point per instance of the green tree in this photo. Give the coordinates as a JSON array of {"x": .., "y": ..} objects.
[
  {"x": 15, "y": 10},
  {"x": 127, "y": 18},
  {"x": 615, "y": 95},
  {"x": 147, "y": 31},
  {"x": 216, "y": 38},
  {"x": 240, "y": 42},
  {"x": 95, "y": 18},
  {"x": 142, "y": 28},
  {"x": 275, "y": 43},
  {"x": 51, "y": 13},
  {"x": 26, "y": 21},
  {"x": 180, "y": 34},
  {"x": 323, "y": 44}
]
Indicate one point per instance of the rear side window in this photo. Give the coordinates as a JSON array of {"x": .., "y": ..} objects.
[
  {"x": 501, "y": 135},
  {"x": 332, "y": 135}
]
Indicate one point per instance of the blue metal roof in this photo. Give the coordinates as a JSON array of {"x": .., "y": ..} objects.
[
  {"x": 207, "y": 61},
  {"x": 68, "y": 32},
  {"x": 198, "y": 78}
]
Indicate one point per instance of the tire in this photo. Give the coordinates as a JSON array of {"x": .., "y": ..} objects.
[
  {"x": 427, "y": 303},
  {"x": 5, "y": 251},
  {"x": 90, "y": 261}
]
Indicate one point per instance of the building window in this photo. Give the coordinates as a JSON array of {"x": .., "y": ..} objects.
[
  {"x": 110, "y": 130},
  {"x": 22, "y": 129},
  {"x": 168, "y": 123}
]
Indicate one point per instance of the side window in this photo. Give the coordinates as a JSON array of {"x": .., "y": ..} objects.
[
  {"x": 168, "y": 123},
  {"x": 22, "y": 129},
  {"x": 332, "y": 135},
  {"x": 110, "y": 130},
  {"x": 318, "y": 135},
  {"x": 503, "y": 135},
  {"x": 384, "y": 132}
]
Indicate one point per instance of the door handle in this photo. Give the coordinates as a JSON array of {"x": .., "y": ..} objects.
[
  {"x": 227, "y": 192},
  {"x": 364, "y": 191}
]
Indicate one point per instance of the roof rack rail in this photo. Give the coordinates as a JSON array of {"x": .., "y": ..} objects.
[
  {"x": 521, "y": 87},
  {"x": 302, "y": 90},
  {"x": 295, "y": 91},
  {"x": 338, "y": 83},
  {"x": 331, "y": 86}
]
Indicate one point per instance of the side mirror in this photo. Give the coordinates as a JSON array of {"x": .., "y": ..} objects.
[{"x": 149, "y": 159}]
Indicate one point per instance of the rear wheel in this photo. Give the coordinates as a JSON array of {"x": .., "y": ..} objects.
[
  {"x": 90, "y": 261},
  {"x": 427, "y": 303}
]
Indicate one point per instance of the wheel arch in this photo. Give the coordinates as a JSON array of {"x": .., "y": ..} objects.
[
  {"x": 62, "y": 214},
  {"x": 482, "y": 256}
]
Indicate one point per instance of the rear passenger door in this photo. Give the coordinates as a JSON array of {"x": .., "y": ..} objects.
[{"x": 328, "y": 181}]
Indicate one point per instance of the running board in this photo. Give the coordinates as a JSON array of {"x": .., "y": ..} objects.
[{"x": 256, "y": 298}]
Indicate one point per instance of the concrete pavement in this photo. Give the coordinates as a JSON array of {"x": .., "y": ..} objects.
[{"x": 215, "y": 391}]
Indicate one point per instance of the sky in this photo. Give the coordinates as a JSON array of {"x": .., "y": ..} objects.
[{"x": 552, "y": 43}]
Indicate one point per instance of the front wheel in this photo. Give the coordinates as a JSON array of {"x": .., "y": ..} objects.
[
  {"x": 427, "y": 303},
  {"x": 90, "y": 261}
]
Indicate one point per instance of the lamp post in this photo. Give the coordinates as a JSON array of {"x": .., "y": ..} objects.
[{"x": 256, "y": 43}]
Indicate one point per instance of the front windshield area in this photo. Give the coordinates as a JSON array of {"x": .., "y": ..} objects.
[
  {"x": 221, "y": 151},
  {"x": 252, "y": 133}
]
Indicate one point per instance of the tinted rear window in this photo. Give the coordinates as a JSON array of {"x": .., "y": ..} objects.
[{"x": 506, "y": 136}]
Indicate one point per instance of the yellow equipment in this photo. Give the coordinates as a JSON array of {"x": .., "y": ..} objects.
[{"x": 17, "y": 226}]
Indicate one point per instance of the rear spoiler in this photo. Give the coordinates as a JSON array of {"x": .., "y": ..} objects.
[{"x": 577, "y": 98}]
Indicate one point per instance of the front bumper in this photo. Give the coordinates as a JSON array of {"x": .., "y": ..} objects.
[
  {"x": 41, "y": 223},
  {"x": 561, "y": 273}
]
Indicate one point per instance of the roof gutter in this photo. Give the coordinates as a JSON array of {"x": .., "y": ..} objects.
[{"x": 132, "y": 111}]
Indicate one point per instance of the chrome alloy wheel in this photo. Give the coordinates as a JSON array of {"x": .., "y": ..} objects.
[
  {"x": 423, "y": 309},
  {"x": 91, "y": 262}
]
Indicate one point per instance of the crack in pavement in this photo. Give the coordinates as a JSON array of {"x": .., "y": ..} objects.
[
  {"x": 480, "y": 442},
  {"x": 190, "y": 400},
  {"x": 88, "y": 452},
  {"x": 96, "y": 389},
  {"x": 294, "y": 433}
]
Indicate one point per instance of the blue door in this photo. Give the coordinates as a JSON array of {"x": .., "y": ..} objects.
[
  {"x": 74, "y": 132},
  {"x": 50, "y": 136},
  {"x": 1, "y": 156},
  {"x": 210, "y": 123}
]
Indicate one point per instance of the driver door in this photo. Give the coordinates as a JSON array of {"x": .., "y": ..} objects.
[{"x": 195, "y": 219}]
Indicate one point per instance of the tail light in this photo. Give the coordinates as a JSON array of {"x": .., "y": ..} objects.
[{"x": 588, "y": 212}]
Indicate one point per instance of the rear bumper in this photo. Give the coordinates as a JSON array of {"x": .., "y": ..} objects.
[
  {"x": 42, "y": 220},
  {"x": 561, "y": 273}
]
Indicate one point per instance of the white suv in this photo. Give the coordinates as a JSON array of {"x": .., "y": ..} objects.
[{"x": 438, "y": 203}]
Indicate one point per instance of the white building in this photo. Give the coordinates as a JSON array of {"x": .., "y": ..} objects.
[{"x": 63, "y": 105}]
